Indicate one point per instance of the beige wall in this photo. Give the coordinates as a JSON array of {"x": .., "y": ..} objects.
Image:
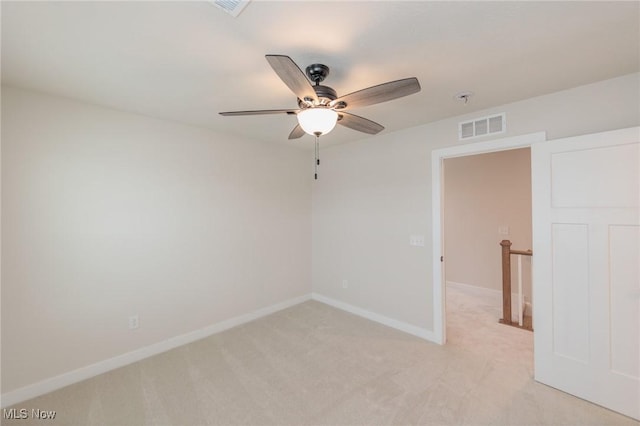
[
  {"x": 374, "y": 193},
  {"x": 106, "y": 214},
  {"x": 481, "y": 194}
]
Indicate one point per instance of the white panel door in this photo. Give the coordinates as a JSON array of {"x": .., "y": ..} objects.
[{"x": 586, "y": 267}]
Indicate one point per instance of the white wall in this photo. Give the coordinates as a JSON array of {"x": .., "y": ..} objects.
[
  {"x": 481, "y": 194},
  {"x": 376, "y": 192},
  {"x": 106, "y": 214}
]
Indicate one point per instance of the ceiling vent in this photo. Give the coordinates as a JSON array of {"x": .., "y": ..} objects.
[
  {"x": 482, "y": 126},
  {"x": 232, "y": 7}
]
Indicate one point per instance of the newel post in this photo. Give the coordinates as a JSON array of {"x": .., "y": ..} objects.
[{"x": 506, "y": 281}]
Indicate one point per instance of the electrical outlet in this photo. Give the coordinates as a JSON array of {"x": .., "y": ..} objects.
[
  {"x": 134, "y": 322},
  {"x": 345, "y": 284},
  {"x": 503, "y": 230}
]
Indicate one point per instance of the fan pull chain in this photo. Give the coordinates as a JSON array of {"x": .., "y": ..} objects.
[{"x": 317, "y": 159}]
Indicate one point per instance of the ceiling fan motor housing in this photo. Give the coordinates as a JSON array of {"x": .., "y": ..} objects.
[
  {"x": 325, "y": 95},
  {"x": 317, "y": 73}
]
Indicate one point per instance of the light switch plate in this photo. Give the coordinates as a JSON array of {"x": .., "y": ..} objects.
[{"x": 416, "y": 240}]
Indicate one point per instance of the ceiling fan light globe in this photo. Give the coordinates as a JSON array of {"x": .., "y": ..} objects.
[{"x": 317, "y": 121}]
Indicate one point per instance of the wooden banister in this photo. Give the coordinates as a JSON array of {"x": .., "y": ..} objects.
[{"x": 506, "y": 280}]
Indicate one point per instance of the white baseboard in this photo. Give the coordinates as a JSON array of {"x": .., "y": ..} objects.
[
  {"x": 495, "y": 295},
  {"x": 487, "y": 291},
  {"x": 471, "y": 287},
  {"x": 390, "y": 322},
  {"x": 83, "y": 373}
]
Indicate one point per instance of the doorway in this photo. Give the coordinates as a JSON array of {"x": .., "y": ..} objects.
[
  {"x": 438, "y": 157},
  {"x": 487, "y": 199}
]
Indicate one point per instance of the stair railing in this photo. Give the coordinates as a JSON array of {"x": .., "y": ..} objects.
[{"x": 506, "y": 284}]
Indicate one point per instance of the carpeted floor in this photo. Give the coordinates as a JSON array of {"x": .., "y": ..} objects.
[{"x": 315, "y": 365}]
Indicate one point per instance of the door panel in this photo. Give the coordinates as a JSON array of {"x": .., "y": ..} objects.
[
  {"x": 624, "y": 256},
  {"x": 594, "y": 189},
  {"x": 586, "y": 273},
  {"x": 570, "y": 296}
]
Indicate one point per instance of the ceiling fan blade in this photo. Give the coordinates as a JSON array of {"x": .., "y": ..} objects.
[
  {"x": 358, "y": 123},
  {"x": 292, "y": 76},
  {"x": 260, "y": 112},
  {"x": 380, "y": 93},
  {"x": 297, "y": 132}
]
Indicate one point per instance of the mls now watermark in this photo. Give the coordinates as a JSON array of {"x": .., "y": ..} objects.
[{"x": 23, "y": 414}]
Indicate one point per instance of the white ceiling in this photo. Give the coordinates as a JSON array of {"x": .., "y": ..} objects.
[{"x": 187, "y": 61}]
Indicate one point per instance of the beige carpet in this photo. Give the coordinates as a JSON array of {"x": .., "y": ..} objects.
[{"x": 313, "y": 364}]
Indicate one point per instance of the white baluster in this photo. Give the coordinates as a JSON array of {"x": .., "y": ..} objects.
[{"x": 520, "y": 298}]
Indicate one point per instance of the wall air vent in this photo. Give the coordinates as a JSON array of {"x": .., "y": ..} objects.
[
  {"x": 232, "y": 7},
  {"x": 482, "y": 126}
]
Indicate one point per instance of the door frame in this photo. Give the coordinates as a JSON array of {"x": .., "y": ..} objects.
[{"x": 437, "y": 197}]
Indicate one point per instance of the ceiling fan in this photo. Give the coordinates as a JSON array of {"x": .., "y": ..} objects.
[{"x": 320, "y": 108}]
